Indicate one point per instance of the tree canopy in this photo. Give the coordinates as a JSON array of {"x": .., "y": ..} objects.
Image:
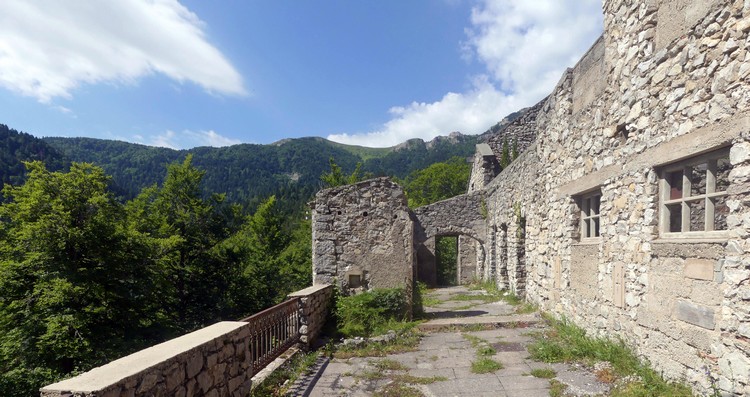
[{"x": 437, "y": 182}]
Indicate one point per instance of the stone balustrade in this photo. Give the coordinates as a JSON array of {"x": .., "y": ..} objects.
[{"x": 213, "y": 361}]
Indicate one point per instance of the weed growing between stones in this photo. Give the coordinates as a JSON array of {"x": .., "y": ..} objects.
[
  {"x": 396, "y": 389},
  {"x": 278, "y": 383},
  {"x": 388, "y": 364},
  {"x": 526, "y": 308},
  {"x": 557, "y": 388},
  {"x": 406, "y": 341},
  {"x": 484, "y": 363},
  {"x": 566, "y": 342},
  {"x": 544, "y": 373},
  {"x": 400, "y": 380},
  {"x": 493, "y": 294}
]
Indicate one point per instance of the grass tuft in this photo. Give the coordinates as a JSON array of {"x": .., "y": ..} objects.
[
  {"x": 485, "y": 365},
  {"x": 566, "y": 342},
  {"x": 544, "y": 373},
  {"x": 556, "y": 388},
  {"x": 282, "y": 378},
  {"x": 398, "y": 389}
]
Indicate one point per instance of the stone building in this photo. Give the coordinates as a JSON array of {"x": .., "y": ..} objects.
[
  {"x": 629, "y": 213},
  {"x": 362, "y": 236}
]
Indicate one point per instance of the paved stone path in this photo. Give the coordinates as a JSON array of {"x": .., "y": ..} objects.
[{"x": 447, "y": 352}]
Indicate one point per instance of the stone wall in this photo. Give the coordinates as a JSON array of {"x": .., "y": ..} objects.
[
  {"x": 665, "y": 91},
  {"x": 362, "y": 236},
  {"x": 522, "y": 130},
  {"x": 213, "y": 361},
  {"x": 484, "y": 168},
  {"x": 314, "y": 306},
  {"x": 461, "y": 216}
]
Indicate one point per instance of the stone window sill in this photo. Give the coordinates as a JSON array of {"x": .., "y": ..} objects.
[
  {"x": 691, "y": 240},
  {"x": 589, "y": 241}
]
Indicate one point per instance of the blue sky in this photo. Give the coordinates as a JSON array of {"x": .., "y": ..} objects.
[{"x": 196, "y": 73}]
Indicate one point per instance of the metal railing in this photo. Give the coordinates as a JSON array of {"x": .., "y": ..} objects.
[{"x": 272, "y": 332}]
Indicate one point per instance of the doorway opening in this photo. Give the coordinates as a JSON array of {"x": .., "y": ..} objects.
[{"x": 446, "y": 258}]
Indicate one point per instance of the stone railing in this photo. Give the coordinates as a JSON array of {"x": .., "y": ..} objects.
[{"x": 218, "y": 360}]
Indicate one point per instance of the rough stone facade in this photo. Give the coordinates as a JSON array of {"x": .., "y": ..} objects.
[
  {"x": 213, "y": 361},
  {"x": 362, "y": 236},
  {"x": 666, "y": 83}
]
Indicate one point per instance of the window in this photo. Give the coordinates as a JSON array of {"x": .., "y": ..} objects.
[
  {"x": 693, "y": 196},
  {"x": 589, "y": 204}
]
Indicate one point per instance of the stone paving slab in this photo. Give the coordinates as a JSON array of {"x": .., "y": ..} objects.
[{"x": 449, "y": 354}]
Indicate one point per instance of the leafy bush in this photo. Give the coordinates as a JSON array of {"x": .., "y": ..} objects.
[
  {"x": 25, "y": 382},
  {"x": 370, "y": 312}
]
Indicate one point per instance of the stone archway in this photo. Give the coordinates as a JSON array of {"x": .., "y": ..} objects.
[
  {"x": 461, "y": 217},
  {"x": 470, "y": 259}
]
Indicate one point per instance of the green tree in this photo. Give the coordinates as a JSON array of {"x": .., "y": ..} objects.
[
  {"x": 184, "y": 231},
  {"x": 437, "y": 182},
  {"x": 336, "y": 176},
  {"x": 75, "y": 286},
  {"x": 514, "y": 149},
  {"x": 505, "y": 155}
]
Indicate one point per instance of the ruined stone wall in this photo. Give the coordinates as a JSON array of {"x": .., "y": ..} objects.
[
  {"x": 462, "y": 215},
  {"x": 362, "y": 236},
  {"x": 484, "y": 168},
  {"x": 669, "y": 94},
  {"x": 523, "y": 130}
]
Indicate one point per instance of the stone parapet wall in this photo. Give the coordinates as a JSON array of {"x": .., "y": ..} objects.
[
  {"x": 213, "y": 361},
  {"x": 314, "y": 308}
]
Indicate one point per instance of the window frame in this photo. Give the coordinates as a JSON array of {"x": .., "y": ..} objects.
[
  {"x": 586, "y": 229},
  {"x": 710, "y": 159}
]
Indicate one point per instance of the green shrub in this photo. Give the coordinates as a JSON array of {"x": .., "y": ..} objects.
[
  {"x": 369, "y": 312},
  {"x": 23, "y": 382}
]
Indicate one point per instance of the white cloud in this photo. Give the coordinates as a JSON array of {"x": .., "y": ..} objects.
[
  {"x": 524, "y": 46},
  {"x": 187, "y": 139},
  {"x": 48, "y": 48}
]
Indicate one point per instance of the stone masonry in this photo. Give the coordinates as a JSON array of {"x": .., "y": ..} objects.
[
  {"x": 629, "y": 213},
  {"x": 666, "y": 84},
  {"x": 362, "y": 237}
]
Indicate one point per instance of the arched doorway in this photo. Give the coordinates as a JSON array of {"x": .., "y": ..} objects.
[{"x": 450, "y": 259}]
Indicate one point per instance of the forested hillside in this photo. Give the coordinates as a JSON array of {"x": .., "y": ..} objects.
[
  {"x": 17, "y": 147},
  {"x": 249, "y": 173}
]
